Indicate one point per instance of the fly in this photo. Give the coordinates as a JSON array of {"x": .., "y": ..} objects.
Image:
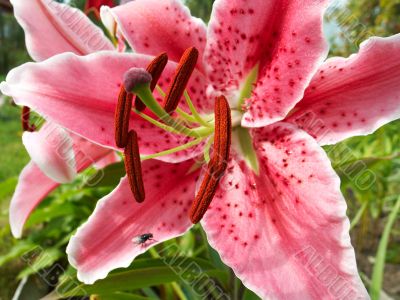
[{"x": 143, "y": 239}]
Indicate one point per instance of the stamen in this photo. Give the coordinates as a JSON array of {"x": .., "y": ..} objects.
[
  {"x": 173, "y": 150},
  {"x": 194, "y": 112},
  {"x": 222, "y": 135},
  {"x": 122, "y": 115},
  {"x": 26, "y": 112},
  {"x": 204, "y": 197},
  {"x": 155, "y": 68},
  {"x": 182, "y": 75},
  {"x": 133, "y": 167},
  {"x": 207, "y": 148},
  {"x": 218, "y": 163}
]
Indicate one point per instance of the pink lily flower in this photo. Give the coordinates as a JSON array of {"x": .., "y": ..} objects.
[
  {"x": 278, "y": 217},
  {"x": 57, "y": 155}
]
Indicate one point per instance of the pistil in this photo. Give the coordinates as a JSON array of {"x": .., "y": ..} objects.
[{"x": 218, "y": 163}]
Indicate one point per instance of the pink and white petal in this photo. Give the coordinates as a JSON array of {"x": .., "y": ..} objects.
[
  {"x": 110, "y": 159},
  {"x": 296, "y": 49},
  {"x": 353, "y": 96},
  {"x": 107, "y": 240},
  {"x": 88, "y": 154},
  {"x": 33, "y": 185},
  {"x": 51, "y": 149},
  {"x": 152, "y": 27},
  {"x": 285, "y": 232},
  {"x": 85, "y": 103},
  {"x": 284, "y": 37},
  {"x": 52, "y": 28}
]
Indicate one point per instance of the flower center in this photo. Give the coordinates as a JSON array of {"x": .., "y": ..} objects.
[{"x": 216, "y": 128}]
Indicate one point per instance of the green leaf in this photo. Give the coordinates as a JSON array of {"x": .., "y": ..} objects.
[
  {"x": 249, "y": 295},
  {"x": 45, "y": 259},
  {"x": 377, "y": 273},
  {"x": 109, "y": 176},
  {"x": 359, "y": 214},
  {"x": 150, "y": 293},
  {"x": 120, "y": 296},
  {"x": 50, "y": 212},
  {"x": 146, "y": 273},
  {"x": 16, "y": 251},
  {"x": 7, "y": 188}
]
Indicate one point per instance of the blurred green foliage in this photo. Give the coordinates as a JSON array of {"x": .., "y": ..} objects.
[
  {"x": 12, "y": 44},
  {"x": 377, "y": 156},
  {"x": 10, "y": 141},
  {"x": 201, "y": 9},
  {"x": 371, "y": 198},
  {"x": 360, "y": 19}
]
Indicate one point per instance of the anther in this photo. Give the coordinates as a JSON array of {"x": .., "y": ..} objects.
[
  {"x": 122, "y": 116},
  {"x": 26, "y": 126},
  {"x": 222, "y": 135},
  {"x": 217, "y": 166},
  {"x": 181, "y": 78},
  {"x": 204, "y": 197},
  {"x": 155, "y": 68},
  {"x": 133, "y": 167}
]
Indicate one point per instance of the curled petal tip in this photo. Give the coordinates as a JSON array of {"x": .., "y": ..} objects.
[{"x": 134, "y": 77}]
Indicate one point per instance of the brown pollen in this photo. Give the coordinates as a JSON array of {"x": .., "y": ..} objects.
[
  {"x": 218, "y": 163},
  {"x": 133, "y": 167},
  {"x": 155, "y": 68},
  {"x": 122, "y": 116},
  {"x": 181, "y": 78}
]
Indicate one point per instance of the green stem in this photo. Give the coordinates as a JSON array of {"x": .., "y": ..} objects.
[
  {"x": 158, "y": 124},
  {"x": 194, "y": 112},
  {"x": 147, "y": 97},
  {"x": 160, "y": 91},
  {"x": 185, "y": 115},
  {"x": 175, "y": 286},
  {"x": 173, "y": 150},
  {"x": 380, "y": 258},
  {"x": 207, "y": 149}
]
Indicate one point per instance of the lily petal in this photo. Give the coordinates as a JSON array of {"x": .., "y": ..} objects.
[
  {"x": 86, "y": 102},
  {"x": 33, "y": 185},
  {"x": 284, "y": 38},
  {"x": 51, "y": 149},
  {"x": 105, "y": 243},
  {"x": 285, "y": 232},
  {"x": 353, "y": 96},
  {"x": 111, "y": 158},
  {"x": 52, "y": 28},
  {"x": 153, "y": 27}
]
